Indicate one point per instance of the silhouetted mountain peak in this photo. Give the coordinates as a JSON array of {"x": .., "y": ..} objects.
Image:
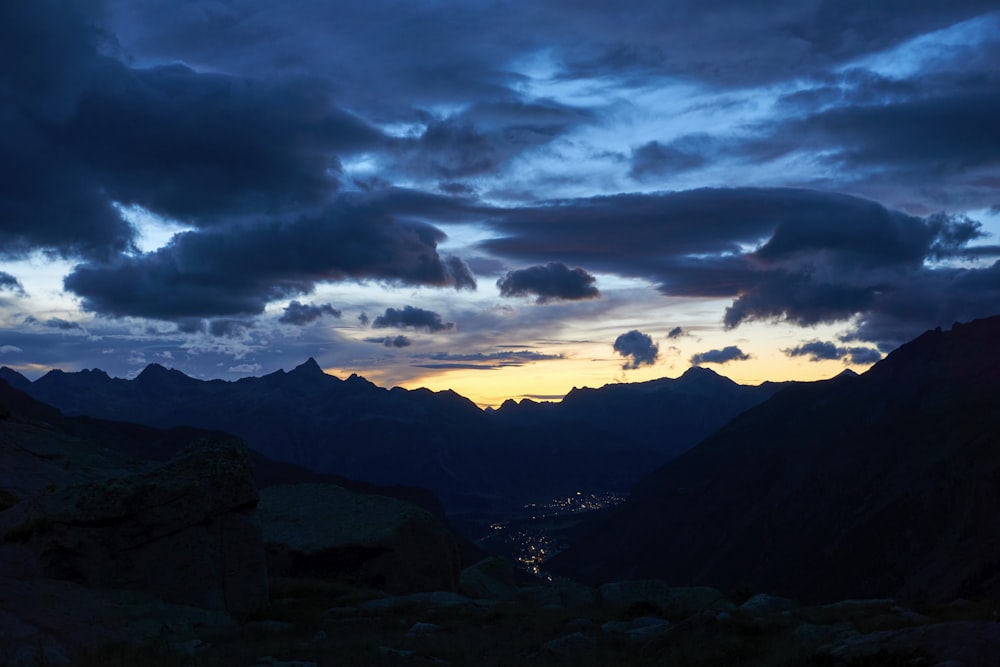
[
  {"x": 355, "y": 380},
  {"x": 308, "y": 368},
  {"x": 702, "y": 374},
  {"x": 158, "y": 373},
  {"x": 14, "y": 378}
]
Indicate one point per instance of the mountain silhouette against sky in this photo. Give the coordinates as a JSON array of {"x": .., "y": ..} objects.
[
  {"x": 883, "y": 484},
  {"x": 595, "y": 439}
]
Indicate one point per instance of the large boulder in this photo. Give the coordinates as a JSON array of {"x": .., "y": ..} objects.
[
  {"x": 325, "y": 531},
  {"x": 491, "y": 578},
  {"x": 185, "y": 532}
]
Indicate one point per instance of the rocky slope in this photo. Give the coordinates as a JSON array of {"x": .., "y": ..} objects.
[
  {"x": 875, "y": 485},
  {"x": 99, "y": 544}
]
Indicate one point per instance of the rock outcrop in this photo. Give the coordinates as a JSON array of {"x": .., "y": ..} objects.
[
  {"x": 322, "y": 530},
  {"x": 185, "y": 532}
]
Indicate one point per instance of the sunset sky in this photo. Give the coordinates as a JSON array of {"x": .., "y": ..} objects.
[{"x": 507, "y": 199}]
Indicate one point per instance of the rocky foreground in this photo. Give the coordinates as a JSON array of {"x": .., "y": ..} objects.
[{"x": 188, "y": 559}]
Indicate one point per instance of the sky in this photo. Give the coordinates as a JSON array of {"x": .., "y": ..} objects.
[{"x": 507, "y": 199}]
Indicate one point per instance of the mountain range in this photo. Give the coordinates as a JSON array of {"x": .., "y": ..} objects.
[
  {"x": 883, "y": 484},
  {"x": 595, "y": 439}
]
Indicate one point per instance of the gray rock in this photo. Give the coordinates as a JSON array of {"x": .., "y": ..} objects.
[
  {"x": 969, "y": 643},
  {"x": 185, "y": 532},
  {"x": 322, "y": 530},
  {"x": 559, "y": 593},
  {"x": 573, "y": 643},
  {"x": 269, "y": 627},
  {"x": 85, "y": 619},
  {"x": 491, "y": 578},
  {"x": 421, "y": 629},
  {"x": 271, "y": 661},
  {"x": 675, "y": 603},
  {"x": 638, "y": 629},
  {"x": 434, "y": 600},
  {"x": 767, "y": 604}
]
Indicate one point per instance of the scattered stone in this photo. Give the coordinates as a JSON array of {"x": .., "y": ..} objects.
[
  {"x": 641, "y": 628},
  {"x": 271, "y": 661},
  {"x": 422, "y": 629},
  {"x": 818, "y": 635},
  {"x": 269, "y": 627},
  {"x": 767, "y": 604},
  {"x": 70, "y": 619},
  {"x": 423, "y": 601},
  {"x": 342, "y": 611},
  {"x": 558, "y": 594},
  {"x": 676, "y": 603},
  {"x": 411, "y": 657},
  {"x": 572, "y": 643},
  {"x": 969, "y": 643}
]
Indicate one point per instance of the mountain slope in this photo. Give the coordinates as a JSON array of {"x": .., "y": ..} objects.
[
  {"x": 882, "y": 484},
  {"x": 596, "y": 439},
  {"x": 126, "y": 444}
]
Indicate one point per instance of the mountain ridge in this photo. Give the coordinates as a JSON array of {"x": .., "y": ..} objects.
[
  {"x": 596, "y": 439},
  {"x": 877, "y": 485}
]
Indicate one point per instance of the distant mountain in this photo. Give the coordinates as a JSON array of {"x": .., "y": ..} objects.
[
  {"x": 667, "y": 415},
  {"x": 882, "y": 484},
  {"x": 596, "y": 439},
  {"x": 14, "y": 379},
  {"x": 138, "y": 443}
]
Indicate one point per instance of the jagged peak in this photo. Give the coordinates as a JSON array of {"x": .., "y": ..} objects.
[
  {"x": 156, "y": 371},
  {"x": 702, "y": 374},
  {"x": 308, "y": 367}
]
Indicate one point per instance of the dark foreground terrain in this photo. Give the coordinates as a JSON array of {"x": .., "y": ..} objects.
[{"x": 310, "y": 623}]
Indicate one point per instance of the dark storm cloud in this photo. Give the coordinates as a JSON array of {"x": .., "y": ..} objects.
[
  {"x": 410, "y": 317},
  {"x": 432, "y": 54},
  {"x": 932, "y": 298},
  {"x": 637, "y": 348},
  {"x": 483, "y": 138},
  {"x": 239, "y": 268},
  {"x": 795, "y": 255},
  {"x": 870, "y": 133},
  {"x": 363, "y": 319},
  {"x": 198, "y": 147},
  {"x": 707, "y": 40},
  {"x": 723, "y": 356},
  {"x": 86, "y": 130},
  {"x": 550, "y": 282},
  {"x": 894, "y": 134},
  {"x": 391, "y": 341},
  {"x": 676, "y": 333},
  {"x": 863, "y": 355},
  {"x": 49, "y": 200},
  {"x": 301, "y": 314},
  {"x": 654, "y": 159},
  {"x": 11, "y": 284},
  {"x": 818, "y": 350}
]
